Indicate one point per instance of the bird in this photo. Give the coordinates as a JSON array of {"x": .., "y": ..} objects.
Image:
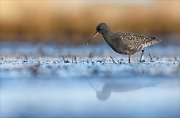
[{"x": 125, "y": 43}]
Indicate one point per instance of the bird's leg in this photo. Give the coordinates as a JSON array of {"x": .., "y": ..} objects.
[
  {"x": 150, "y": 58},
  {"x": 142, "y": 53},
  {"x": 129, "y": 56}
]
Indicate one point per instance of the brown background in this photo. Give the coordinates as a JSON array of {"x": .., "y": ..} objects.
[{"x": 74, "y": 22}]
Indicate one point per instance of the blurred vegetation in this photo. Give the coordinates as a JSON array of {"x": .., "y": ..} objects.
[{"x": 74, "y": 22}]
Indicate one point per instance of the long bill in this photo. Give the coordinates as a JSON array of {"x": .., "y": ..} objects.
[{"x": 92, "y": 38}]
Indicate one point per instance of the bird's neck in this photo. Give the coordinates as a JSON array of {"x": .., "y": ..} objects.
[{"x": 107, "y": 36}]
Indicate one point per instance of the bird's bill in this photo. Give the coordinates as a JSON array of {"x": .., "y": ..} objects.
[
  {"x": 95, "y": 34},
  {"x": 92, "y": 38}
]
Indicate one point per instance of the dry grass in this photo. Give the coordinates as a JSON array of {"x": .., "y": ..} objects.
[{"x": 73, "y": 22}]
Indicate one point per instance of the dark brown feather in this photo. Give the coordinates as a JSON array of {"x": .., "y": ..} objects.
[
  {"x": 130, "y": 43},
  {"x": 125, "y": 42}
]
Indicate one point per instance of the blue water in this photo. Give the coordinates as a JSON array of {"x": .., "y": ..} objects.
[{"x": 35, "y": 85}]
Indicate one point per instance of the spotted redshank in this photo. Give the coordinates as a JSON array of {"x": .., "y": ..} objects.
[{"x": 124, "y": 42}]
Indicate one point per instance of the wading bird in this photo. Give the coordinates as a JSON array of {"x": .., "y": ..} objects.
[{"x": 124, "y": 42}]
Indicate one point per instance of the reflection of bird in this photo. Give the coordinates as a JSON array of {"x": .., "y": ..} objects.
[
  {"x": 125, "y": 43},
  {"x": 122, "y": 86}
]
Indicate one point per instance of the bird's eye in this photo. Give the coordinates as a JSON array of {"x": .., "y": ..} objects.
[{"x": 99, "y": 28}]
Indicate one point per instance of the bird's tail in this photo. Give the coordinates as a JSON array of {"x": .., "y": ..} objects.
[{"x": 152, "y": 41}]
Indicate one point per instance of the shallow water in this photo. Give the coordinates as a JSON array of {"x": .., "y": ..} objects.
[{"x": 58, "y": 81}]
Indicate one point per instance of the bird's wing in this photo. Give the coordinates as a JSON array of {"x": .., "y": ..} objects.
[{"x": 136, "y": 42}]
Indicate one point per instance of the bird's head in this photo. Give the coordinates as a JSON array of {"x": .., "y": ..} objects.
[{"x": 101, "y": 28}]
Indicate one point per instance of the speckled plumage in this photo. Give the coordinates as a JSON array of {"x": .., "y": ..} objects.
[{"x": 124, "y": 42}]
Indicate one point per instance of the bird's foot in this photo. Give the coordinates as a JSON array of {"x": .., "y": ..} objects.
[{"x": 142, "y": 61}]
